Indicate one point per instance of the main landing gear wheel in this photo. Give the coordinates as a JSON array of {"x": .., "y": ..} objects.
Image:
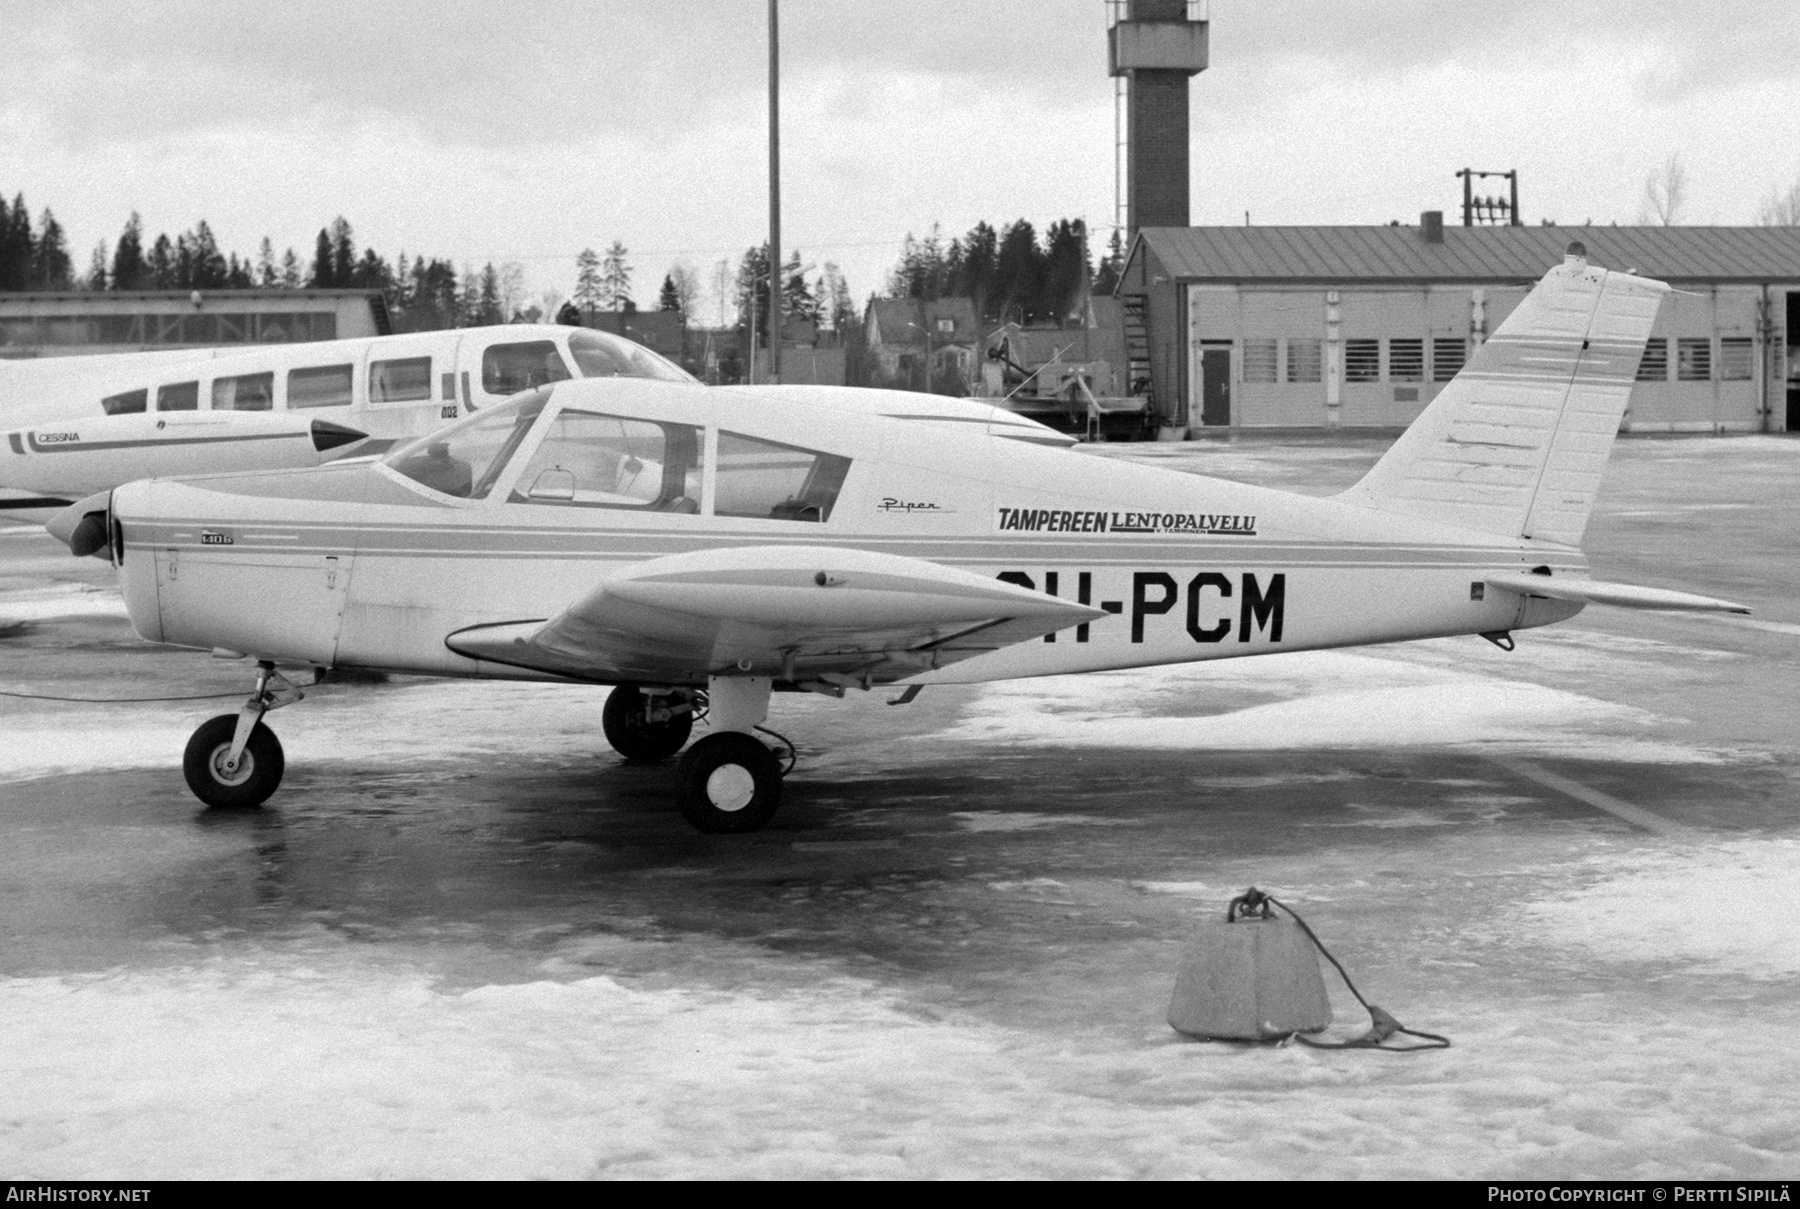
[
  {"x": 636, "y": 733},
  {"x": 258, "y": 770},
  {"x": 728, "y": 783}
]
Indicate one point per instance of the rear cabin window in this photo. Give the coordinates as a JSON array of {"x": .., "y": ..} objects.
[
  {"x": 592, "y": 460},
  {"x": 126, "y": 403},
  {"x": 182, "y": 396},
  {"x": 248, "y": 392},
  {"x": 467, "y": 459},
  {"x": 507, "y": 369},
  {"x": 776, "y": 482},
  {"x": 602, "y": 355},
  {"x": 321, "y": 386},
  {"x": 401, "y": 380}
]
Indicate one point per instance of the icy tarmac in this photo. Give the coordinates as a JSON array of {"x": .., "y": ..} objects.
[{"x": 464, "y": 939}]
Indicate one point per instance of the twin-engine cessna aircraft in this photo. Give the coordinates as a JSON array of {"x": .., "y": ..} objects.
[
  {"x": 701, "y": 548},
  {"x": 76, "y": 425}
]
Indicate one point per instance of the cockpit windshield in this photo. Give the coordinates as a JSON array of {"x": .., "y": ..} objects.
[
  {"x": 602, "y": 355},
  {"x": 465, "y": 459}
]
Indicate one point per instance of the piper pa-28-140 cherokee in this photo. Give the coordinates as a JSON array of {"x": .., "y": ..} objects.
[
  {"x": 72, "y": 426},
  {"x": 700, "y": 547}
]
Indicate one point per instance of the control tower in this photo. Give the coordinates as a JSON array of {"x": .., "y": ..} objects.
[{"x": 1156, "y": 45}]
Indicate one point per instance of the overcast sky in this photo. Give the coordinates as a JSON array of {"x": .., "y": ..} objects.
[{"x": 526, "y": 131}]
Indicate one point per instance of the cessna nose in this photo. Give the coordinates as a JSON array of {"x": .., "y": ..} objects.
[
  {"x": 326, "y": 435},
  {"x": 82, "y": 526}
]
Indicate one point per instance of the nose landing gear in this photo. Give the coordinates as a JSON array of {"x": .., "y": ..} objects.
[{"x": 233, "y": 761}]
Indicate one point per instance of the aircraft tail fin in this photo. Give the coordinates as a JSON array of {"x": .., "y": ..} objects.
[{"x": 1517, "y": 443}]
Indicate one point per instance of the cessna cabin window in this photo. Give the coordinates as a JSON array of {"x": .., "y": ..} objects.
[
  {"x": 127, "y": 403},
  {"x": 182, "y": 396},
  {"x": 591, "y": 460},
  {"x": 600, "y": 355},
  {"x": 776, "y": 482},
  {"x": 401, "y": 381},
  {"x": 507, "y": 369},
  {"x": 249, "y": 392},
  {"x": 325, "y": 386},
  {"x": 465, "y": 459}
]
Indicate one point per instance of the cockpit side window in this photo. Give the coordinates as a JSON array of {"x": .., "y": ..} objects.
[
  {"x": 602, "y": 355},
  {"x": 592, "y": 460},
  {"x": 467, "y": 458},
  {"x": 127, "y": 403},
  {"x": 507, "y": 369},
  {"x": 776, "y": 482}
]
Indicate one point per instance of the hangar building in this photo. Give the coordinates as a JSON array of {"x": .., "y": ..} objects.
[
  {"x": 1361, "y": 326},
  {"x": 72, "y": 322}
]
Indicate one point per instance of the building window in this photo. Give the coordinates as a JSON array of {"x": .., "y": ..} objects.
[
  {"x": 1448, "y": 355},
  {"x": 1305, "y": 360},
  {"x": 402, "y": 380},
  {"x": 1735, "y": 358},
  {"x": 945, "y": 327},
  {"x": 1693, "y": 359},
  {"x": 1362, "y": 360},
  {"x": 127, "y": 403},
  {"x": 182, "y": 396},
  {"x": 1259, "y": 360},
  {"x": 1654, "y": 365},
  {"x": 322, "y": 386},
  {"x": 248, "y": 392},
  {"x": 1406, "y": 360}
]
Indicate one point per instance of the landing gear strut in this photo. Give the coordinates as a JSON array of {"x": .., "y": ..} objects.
[
  {"x": 644, "y": 727},
  {"x": 233, "y": 761}
]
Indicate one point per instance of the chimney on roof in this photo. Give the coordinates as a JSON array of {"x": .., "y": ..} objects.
[{"x": 1431, "y": 224}]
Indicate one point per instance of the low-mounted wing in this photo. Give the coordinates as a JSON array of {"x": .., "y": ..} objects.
[
  {"x": 1625, "y": 596},
  {"x": 809, "y": 615}
]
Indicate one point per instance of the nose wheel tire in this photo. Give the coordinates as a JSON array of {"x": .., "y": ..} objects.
[
  {"x": 634, "y": 734},
  {"x": 256, "y": 776},
  {"x": 728, "y": 783}
]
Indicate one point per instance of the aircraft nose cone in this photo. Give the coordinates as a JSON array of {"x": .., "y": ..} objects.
[
  {"x": 82, "y": 525},
  {"x": 326, "y": 435}
]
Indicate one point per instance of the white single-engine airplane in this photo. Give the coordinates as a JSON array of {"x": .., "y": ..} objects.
[
  {"x": 72, "y": 426},
  {"x": 698, "y": 548}
]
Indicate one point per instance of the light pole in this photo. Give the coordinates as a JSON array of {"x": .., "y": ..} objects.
[{"x": 774, "y": 194}]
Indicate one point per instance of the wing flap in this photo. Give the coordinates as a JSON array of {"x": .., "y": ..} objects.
[
  {"x": 795, "y": 613},
  {"x": 1625, "y": 596}
]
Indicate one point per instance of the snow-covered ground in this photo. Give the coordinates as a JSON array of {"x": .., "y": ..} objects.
[{"x": 463, "y": 943}]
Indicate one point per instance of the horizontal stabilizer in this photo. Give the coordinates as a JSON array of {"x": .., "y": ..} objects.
[
  {"x": 1625, "y": 596},
  {"x": 796, "y": 613}
]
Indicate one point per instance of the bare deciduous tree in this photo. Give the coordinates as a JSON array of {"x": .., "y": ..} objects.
[
  {"x": 1665, "y": 193},
  {"x": 687, "y": 289},
  {"x": 1781, "y": 208}
]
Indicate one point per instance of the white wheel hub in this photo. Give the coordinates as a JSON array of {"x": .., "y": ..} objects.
[
  {"x": 730, "y": 787},
  {"x": 231, "y": 776}
]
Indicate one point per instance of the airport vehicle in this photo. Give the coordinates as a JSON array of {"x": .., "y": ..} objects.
[
  {"x": 702, "y": 548},
  {"x": 76, "y": 425}
]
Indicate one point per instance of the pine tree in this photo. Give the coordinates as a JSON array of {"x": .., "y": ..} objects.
[
  {"x": 753, "y": 290},
  {"x": 1065, "y": 269},
  {"x": 159, "y": 272},
  {"x": 488, "y": 308},
  {"x": 979, "y": 258},
  {"x": 96, "y": 274},
  {"x": 797, "y": 298},
  {"x": 15, "y": 244},
  {"x": 343, "y": 253},
  {"x": 668, "y": 299},
  {"x": 1112, "y": 265},
  {"x": 128, "y": 268},
  {"x": 1019, "y": 274},
  {"x": 324, "y": 268},
  {"x": 267, "y": 276},
  {"x": 207, "y": 269},
  {"x": 51, "y": 268},
  {"x": 587, "y": 296},
  {"x": 290, "y": 270},
  {"x": 615, "y": 279}
]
